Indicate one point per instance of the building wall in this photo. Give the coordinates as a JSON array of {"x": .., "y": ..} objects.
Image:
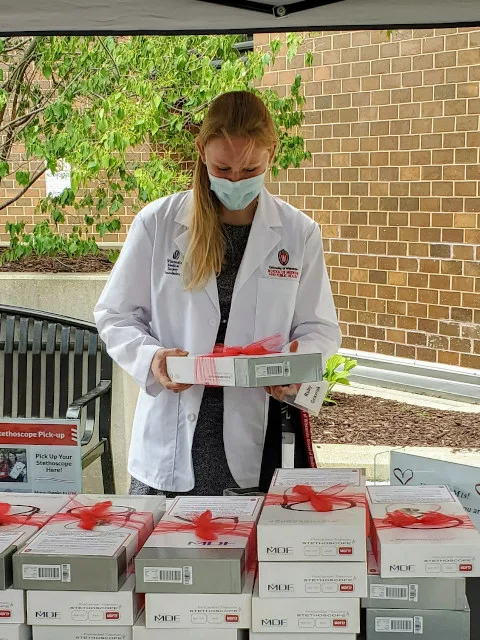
[{"x": 392, "y": 125}]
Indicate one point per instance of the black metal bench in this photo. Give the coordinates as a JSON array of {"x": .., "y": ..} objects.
[{"x": 57, "y": 367}]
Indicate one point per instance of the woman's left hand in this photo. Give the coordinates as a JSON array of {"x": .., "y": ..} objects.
[{"x": 280, "y": 392}]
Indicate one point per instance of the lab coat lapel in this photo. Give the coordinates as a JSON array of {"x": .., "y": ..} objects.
[
  {"x": 263, "y": 238},
  {"x": 182, "y": 241}
]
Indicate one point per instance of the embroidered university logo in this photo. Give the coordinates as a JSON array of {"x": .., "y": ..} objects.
[
  {"x": 283, "y": 257},
  {"x": 174, "y": 264}
]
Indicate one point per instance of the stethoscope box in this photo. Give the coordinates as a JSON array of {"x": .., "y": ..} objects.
[
  {"x": 314, "y": 515},
  {"x": 176, "y": 559},
  {"x": 63, "y": 556},
  {"x": 203, "y": 632}
]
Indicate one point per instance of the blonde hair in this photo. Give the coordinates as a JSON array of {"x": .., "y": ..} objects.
[{"x": 236, "y": 114}]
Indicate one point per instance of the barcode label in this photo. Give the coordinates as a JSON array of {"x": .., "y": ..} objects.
[
  {"x": 397, "y": 593},
  {"x": 413, "y": 593},
  {"x": 418, "y": 625},
  {"x": 269, "y": 370},
  {"x": 394, "y": 625},
  {"x": 389, "y": 592},
  {"x": 187, "y": 576},
  {"x": 163, "y": 574},
  {"x": 57, "y": 572}
]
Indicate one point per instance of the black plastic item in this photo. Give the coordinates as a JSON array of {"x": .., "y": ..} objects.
[
  {"x": 277, "y": 10},
  {"x": 473, "y": 597}
]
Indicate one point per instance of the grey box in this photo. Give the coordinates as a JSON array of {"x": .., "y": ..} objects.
[
  {"x": 412, "y": 593},
  {"x": 86, "y": 573},
  {"x": 203, "y": 570},
  {"x": 385, "y": 624},
  {"x": 415, "y": 593},
  {"x": 64, "y": 557}
]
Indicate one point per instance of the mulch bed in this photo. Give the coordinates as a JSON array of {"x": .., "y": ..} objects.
[
  {"x": 61, "y": 264},
  {"x": 364, "y": 420}
]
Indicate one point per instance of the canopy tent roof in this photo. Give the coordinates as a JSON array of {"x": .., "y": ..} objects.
[{"x": 228, "y": 16}]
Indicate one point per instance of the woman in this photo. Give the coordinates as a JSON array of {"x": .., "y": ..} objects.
[
  {"x": 3, "y": 468},
  {"x": 16, "y": 469},
  {"x": 223, "y": 263}
]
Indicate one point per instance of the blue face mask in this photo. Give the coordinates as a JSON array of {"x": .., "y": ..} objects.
[{"x": 236, "y": 196}]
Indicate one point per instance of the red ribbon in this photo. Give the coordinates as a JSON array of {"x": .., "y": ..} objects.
[
  {"x": 91, "y": 516},
  {"x": 206, "y": 527},
  {"x": 322, "y": 501},
  {"x": 96, "y": 514},
  {"x": 206, "y": 371},
  {"x": 7, "y": 518},
  {"x": 429, "y": 520}
]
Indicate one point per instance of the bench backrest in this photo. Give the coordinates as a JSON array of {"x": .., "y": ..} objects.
[{"x": 46, "y": 361}]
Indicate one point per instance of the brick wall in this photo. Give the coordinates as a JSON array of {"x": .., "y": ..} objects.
[{"x": 392, "y": 126}]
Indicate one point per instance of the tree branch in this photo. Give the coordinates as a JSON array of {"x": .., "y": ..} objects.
[{"x": 38, "y": 175}]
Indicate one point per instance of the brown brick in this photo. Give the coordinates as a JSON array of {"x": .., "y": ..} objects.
[
  {"x": 456, "y": 108},
  {"x": 459, "y": 344},
  {"x": 408, "y": 234},
  {"x": 442, "y": 189},
  {"x": 468, "y": 90},
  {"x": 467, "y": 123},
  {"x": 401, "y": 65},
  {"x": 438, "y": 312},
  {"x": 429, "y": 326},
  {"x": 470, "y": 361},
  {"x": 431, "y": 109},
  {"x": 445, "y": 124},
  {"x": 419, "y": 339},
  {"x": 419, "y": 249},
  {"x": 402, "y": 351},
  {"x": 399, "y": 189},
  {"x": 460, "y": 283},
  {"x": 454, "y": 140},
  {"x": 469, "y": 57},
  {"x": 407, "y": 323},
  {"x": 455, "y": 42},
  {"x": 447, "y": 357},
  {"x": 454, "y": 172},
  {"x": 462, "y": 252},
  {"x": 453, "y": 235}
]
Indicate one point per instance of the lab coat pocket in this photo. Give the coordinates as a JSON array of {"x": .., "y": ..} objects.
[{"x": 275, "y": 307}]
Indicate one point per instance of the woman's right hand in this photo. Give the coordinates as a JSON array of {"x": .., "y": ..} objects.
[{"x": 159, "y": 369}]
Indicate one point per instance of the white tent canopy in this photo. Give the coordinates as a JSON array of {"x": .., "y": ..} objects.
[{"x": 228, "y": 16}]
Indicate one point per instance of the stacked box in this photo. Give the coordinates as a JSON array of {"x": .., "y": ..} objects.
[
  {"x": 175, "y": 559},
  {"x": 79, "y": 570},
  {"x": 22, "y": 515},
  {"x": 424, "y": 544},
  {"x": 312, "y": 554},
  {"x": 198, "y": 569},
  {"x": 141, "y": 632},
  {"x": 66, "y": 557}
]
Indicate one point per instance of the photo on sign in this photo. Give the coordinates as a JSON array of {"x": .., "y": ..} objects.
[{"x": 13, "y": 465}]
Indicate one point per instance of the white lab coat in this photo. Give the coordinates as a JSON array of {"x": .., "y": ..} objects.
[{"x": 282, "y": 287}]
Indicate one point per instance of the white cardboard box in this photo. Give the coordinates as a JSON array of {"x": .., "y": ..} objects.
[
  {"x": 300, "y": 636},
  {"x": 312, "y": 579},
  {"x": 65, "y": 557},
  {"x": 305, "y": 615},
  {"x": 86, "y": 608},
  {"x": 15, "y": 632},
  {"x": 177, "y": 560},
  {"x": 12, "y": 606},
  {"x": 140, "y": 632},
  {"x": 246, "y": 371},
  {"x": 31, "y": 512},
  {"x": 200, "y": 611},
  {"x": 444, "y": 545},
  {"x": 291, "y": 529},
  {"x": 82, "y": 633}
]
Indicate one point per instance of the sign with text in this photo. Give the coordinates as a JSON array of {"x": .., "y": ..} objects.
[
  {"x": 463, "y": 480},
  {"x": 40, "y": 456}
]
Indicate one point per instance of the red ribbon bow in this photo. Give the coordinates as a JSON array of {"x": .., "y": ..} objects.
[
  {"x": 432, "y": 519},
  {"x": 91, "y": 516},
  {"x": 325, "y": 500},
  {"x": 206, "y": 527},
  {"x": 9, "y": 518},
  {"x": 205, "y": 370}
]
